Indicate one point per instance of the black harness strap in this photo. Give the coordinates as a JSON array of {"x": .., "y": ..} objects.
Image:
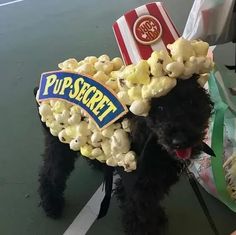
[
  {"x": 108, "y": 183},
  {"x": 199, "y": 196}
]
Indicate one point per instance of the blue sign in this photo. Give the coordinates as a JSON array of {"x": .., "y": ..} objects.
[{"x": 99, "y": 102}]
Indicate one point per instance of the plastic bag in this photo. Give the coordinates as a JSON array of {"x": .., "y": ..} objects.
[
  {"x": 212, "y": 21},
  {"x": 218, "y": 175}
]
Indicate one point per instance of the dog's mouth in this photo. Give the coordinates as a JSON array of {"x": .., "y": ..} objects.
[{"x": 183, "y": 154}]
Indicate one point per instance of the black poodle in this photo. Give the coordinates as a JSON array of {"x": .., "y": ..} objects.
[{"x": 164, "y": 141}]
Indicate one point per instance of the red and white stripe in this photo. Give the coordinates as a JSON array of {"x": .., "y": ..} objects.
[{"x": 131, "y": 50}]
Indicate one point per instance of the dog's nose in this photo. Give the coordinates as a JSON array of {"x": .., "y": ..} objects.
[{"x": 179, "y": 141}]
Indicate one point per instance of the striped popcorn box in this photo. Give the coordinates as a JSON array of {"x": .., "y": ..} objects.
[{"x": 143, "y": 30}]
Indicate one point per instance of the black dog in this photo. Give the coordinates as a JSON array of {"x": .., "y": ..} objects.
[{"x": 175, "y": 126}]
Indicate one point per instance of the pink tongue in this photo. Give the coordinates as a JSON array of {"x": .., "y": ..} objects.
[{"x": 184, "y": 153}]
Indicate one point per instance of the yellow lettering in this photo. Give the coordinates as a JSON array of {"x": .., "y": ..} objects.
[
  {"x": 66, "y": 83},
  {"x": 57, "y": 86},
  {"x": 74, "y": 93},
  {"x": 87, "y": 93},
  {"x": 96, "y": 98},
  {"x": 111, "y": 107},
  {"x": 100, "y": 105},
  {"x": 82, "y": 91},
  {"x": 50, "y": 81}
]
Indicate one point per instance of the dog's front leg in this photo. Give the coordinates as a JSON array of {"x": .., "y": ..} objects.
[
  {"x": 58, "y": 163},
  {"x": 141, "y": 210}
]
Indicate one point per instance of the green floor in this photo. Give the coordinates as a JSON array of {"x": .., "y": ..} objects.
[{"x": 35, "y": 35}]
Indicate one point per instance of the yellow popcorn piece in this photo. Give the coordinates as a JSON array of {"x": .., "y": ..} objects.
[
  {"x": 126, "y": 125},
  {"x": 45, "y": 110},
  {"x": 120, "y": 142},
  {"x": 77, "y": 142},
  {"x": 82, "y": 129},
  {"x": 190, "y": 67},
  {"x": 129, "y": 157},
  {"x": 54, "y": 132},
  {"x": 156, "y": 65},
  {"x": 181, "y": 49},
  {"x": 101, "y": 158},
  {"x": 81, "y": 62},
  {"x": 119, "y": 76},
  {"x": 124, "y": 97},
  {"x": 74, "y": 110},
  {"x": 83, "y": 113},
  {"x": 140, "y": 73},
  {"x": 200, "y": 47},
  {"x": 103, "y": 65},
  {"x": 91, "y": 59},
  {"x": 86, "y": 150},
  {"x": 100, "y": 76},
  {"x": 96, "y": 137},
  {"x": 158, "y": 62},
  {"x": 43, "y": 119},
  {"x": 106, "y": 147},
  {"x": 92, "y": 125},
  {"x": 71, "y": 131},
  {"x": 111, "y": 162},
  {"x": 158, "y": 87},
  {"x": 74, "y": 145},
  {"x": 63, "y": 137},
  {"x": 57, "y": 127},
  {"x": 135, "y": 93},
  {"x": 97, "y": 152},
  {"x": 49, "y": 122},
  {"x": 140, "y": 107},
  {"x": 104, "y": 58},
  {"x": 59, "y": 106},
  {"x": 130, "y": 161},
  {"x": 108, "y": 132},
  {"x": 70, "y": 64},
  {"x": 62, "y": 118},
  {"x": 112, "y": 83},
  {"x": 129, "y": 69},
  {"x": 74, "y": 119},
  {"x": 175, "y": 69},
  {"x": 117, "y": 63},
  {"x": 52, "y": 103},
  {"x": 204, "y": 64},
  {"x": 131, "y": 166},
  {"x": 87, "y": 69}
]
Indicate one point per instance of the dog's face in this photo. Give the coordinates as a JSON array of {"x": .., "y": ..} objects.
[{"x": 180, "y": 118}]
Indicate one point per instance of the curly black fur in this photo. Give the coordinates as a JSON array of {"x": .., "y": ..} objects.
[
  {"x": 58, "y": 163},
  {"x": 176, "y": 121}
]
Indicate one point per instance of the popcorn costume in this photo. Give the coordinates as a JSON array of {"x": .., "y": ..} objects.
[
  {"x": 94, "y": 123},
  {"x": 135, "y": 85}
]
